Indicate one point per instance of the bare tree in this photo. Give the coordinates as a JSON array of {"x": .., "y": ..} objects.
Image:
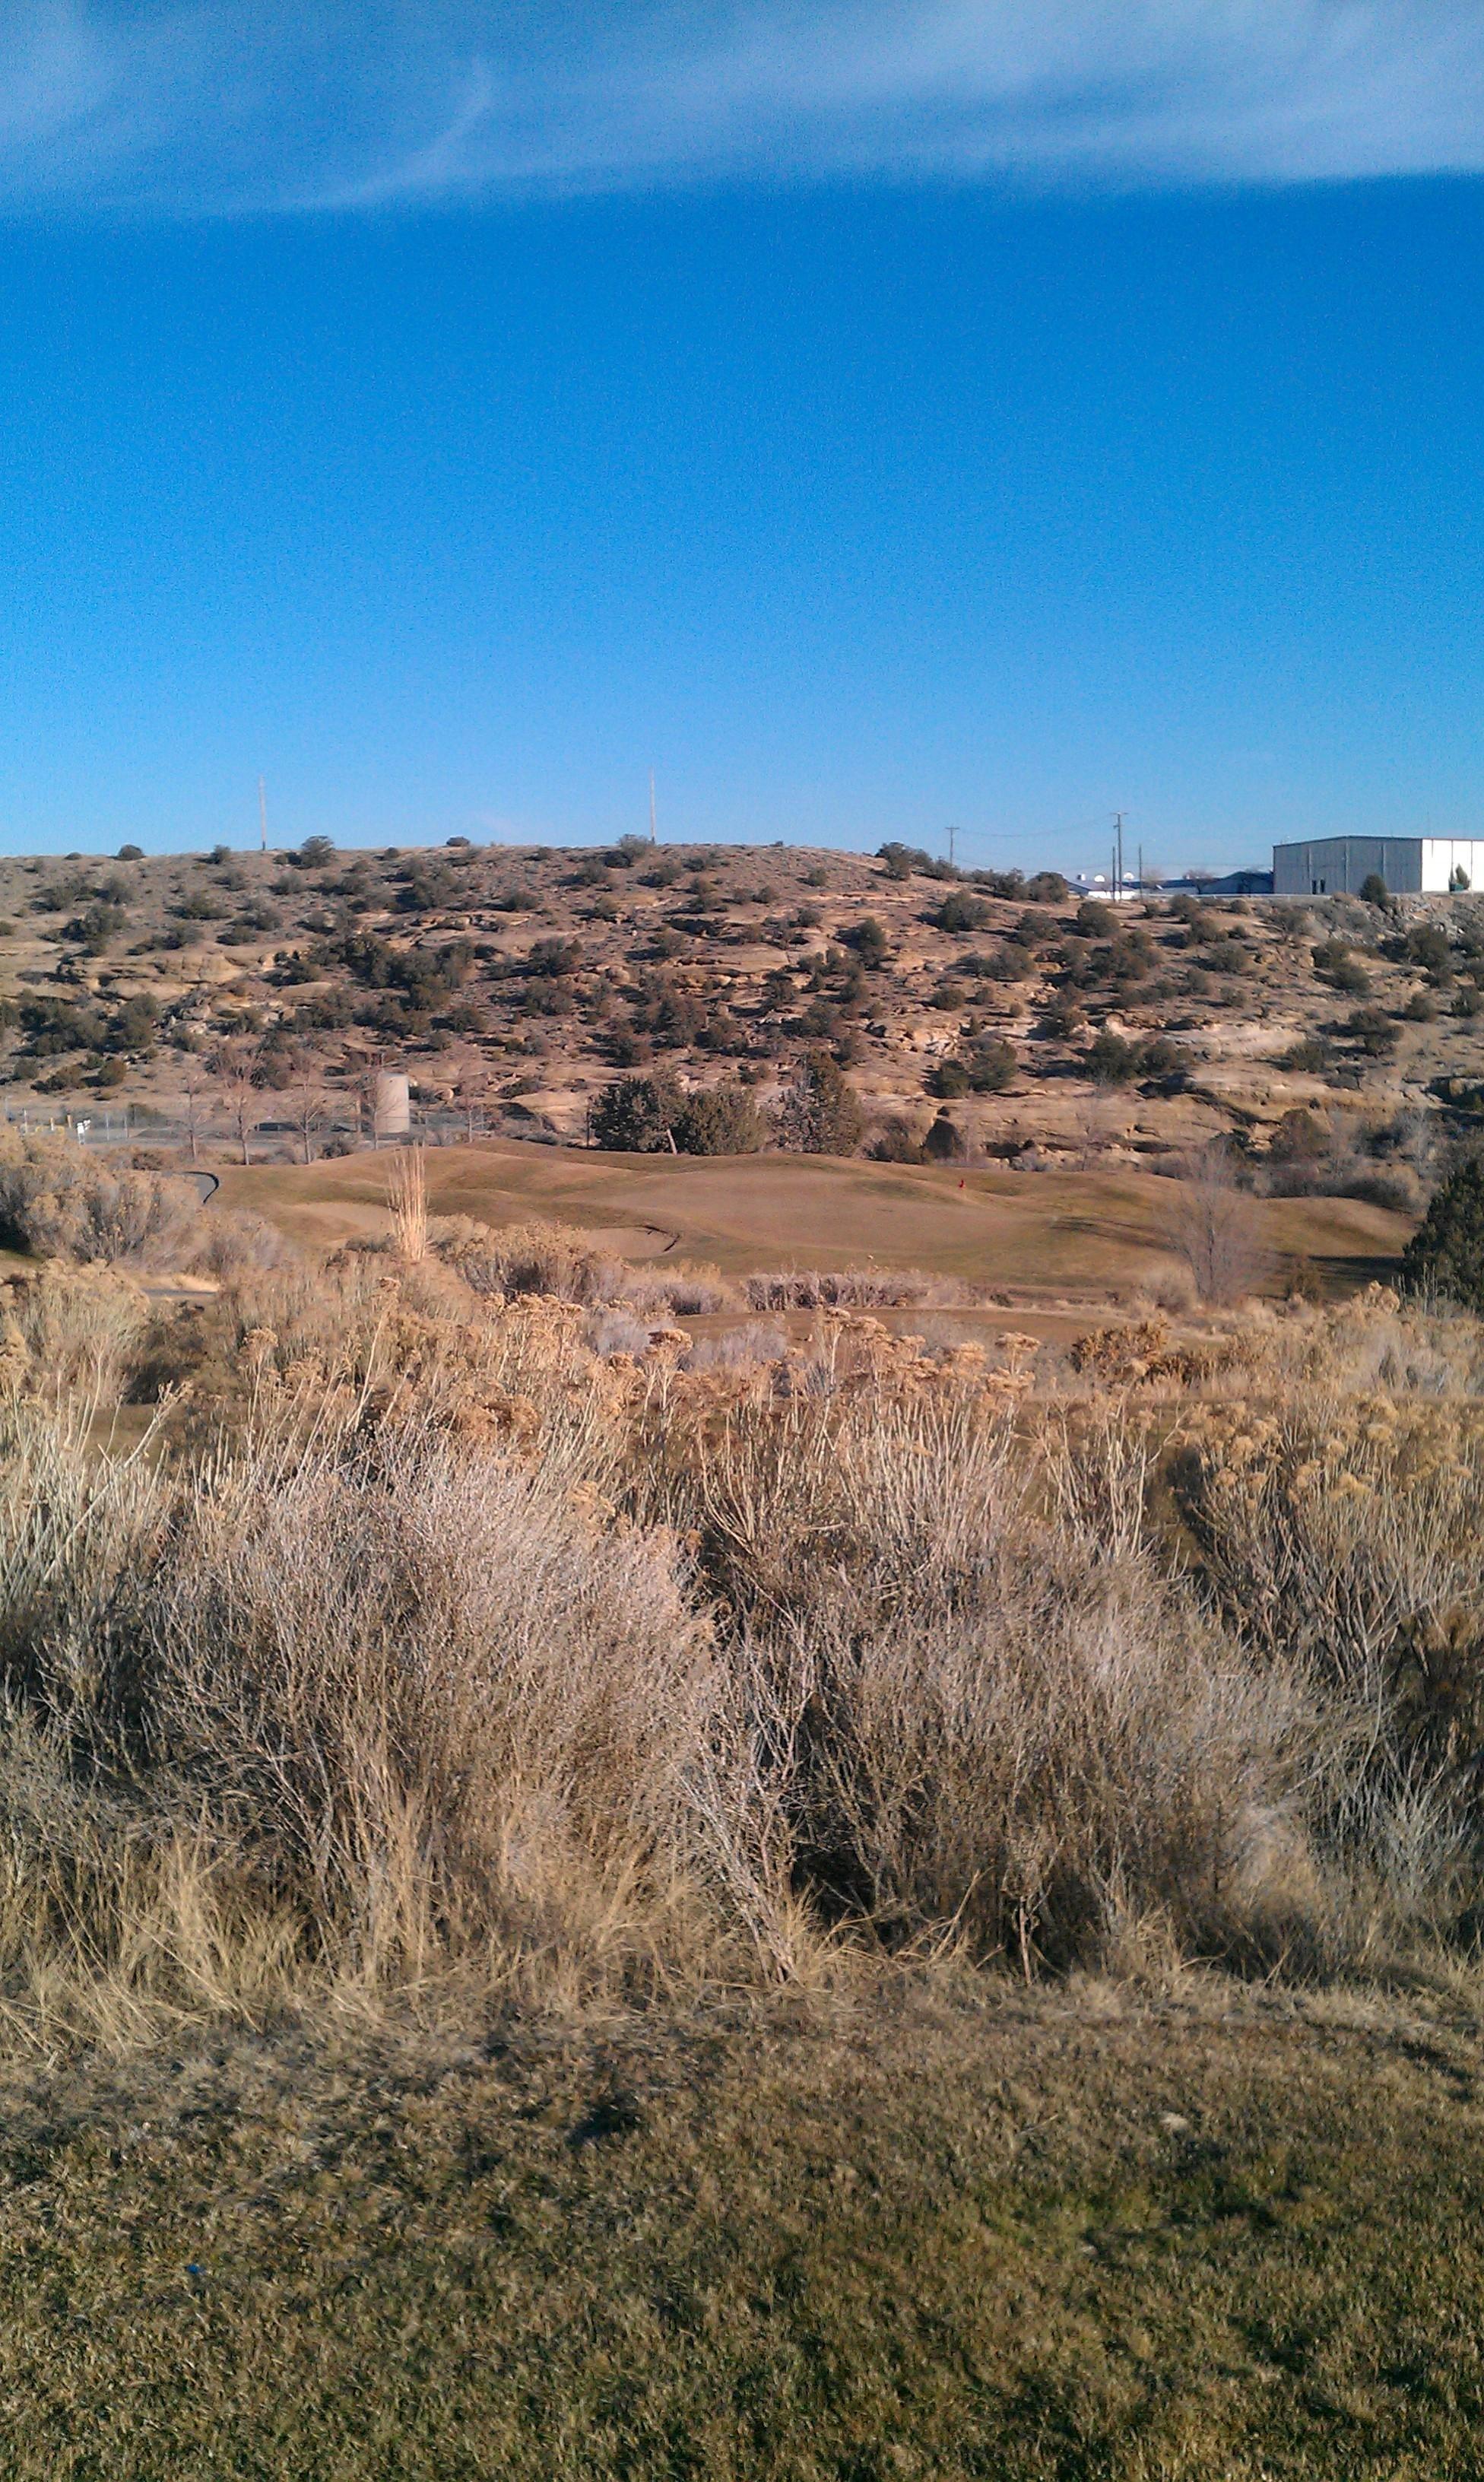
[
  {"x": 309, "y": 1101},
  {"x": 364, "y": 1090},
  {"x": 1096, "y": 1125},
  {"x": 1214, "y": 1229},
  {"x": 1416, "y": 1136},
  {"x": 195, "y": 1090},
  {"x": 235, "y": 1068},
  {"x": 470, "y": 1091},
  {"x": 1342, "y": 1158}
]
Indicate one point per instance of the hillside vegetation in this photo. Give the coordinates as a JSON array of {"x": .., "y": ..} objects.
[{"x": 241, "y": 1001}]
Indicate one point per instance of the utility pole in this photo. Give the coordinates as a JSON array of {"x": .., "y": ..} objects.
[
  {"x": 654, "y": 832},
  {"x": 952, "y": 841},
  {"x": 1118, "y": 854},
  {"x": 262, "y": 814},
  {"x": 1141, "y": 866}
]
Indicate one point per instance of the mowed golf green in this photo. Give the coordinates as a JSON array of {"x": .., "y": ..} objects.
[{"x": 1043, "y": 1233}]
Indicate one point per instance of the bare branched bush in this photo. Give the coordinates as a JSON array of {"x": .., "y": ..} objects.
[
  {"x": 71, "y": 1338},
  {"x": 1214, "y": 1228},
  {"x": 685, "y": 1292},
  {"x": 232, "y": 1242},
  {"x": 968, "y": 1712},
  {"x": 445, "y": 1705},
  {"x": 755, "y": 1342}
]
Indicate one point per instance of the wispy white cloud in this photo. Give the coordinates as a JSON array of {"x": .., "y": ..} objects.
[{"x": 222, "y": 106}]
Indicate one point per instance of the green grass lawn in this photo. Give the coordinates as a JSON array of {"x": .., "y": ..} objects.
[{"x": 1005, "y": 2237}]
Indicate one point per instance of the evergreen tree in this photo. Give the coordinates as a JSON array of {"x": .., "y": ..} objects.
[
  {"x": 944, "y": 1142},
  {"x": 822, "y": 1114},
  {"x": 719, "y": 1120},
  {"x": 637, "y": 1116},
  {"x": 1448, "y": 1253}
]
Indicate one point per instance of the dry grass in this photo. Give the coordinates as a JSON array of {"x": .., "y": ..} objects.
[
  {"x": 757, "y": 1214},
  {"x": 1061, "y": 2236},
  {"x": 417, "y": 1639},
  {"x": 819, "y": 1911},
  {"x": 406, "y": 1197},
  {"x": 851, "y": 1288}
]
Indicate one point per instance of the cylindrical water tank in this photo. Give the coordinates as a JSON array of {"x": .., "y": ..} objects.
[{"x": 393, "y": 1106}]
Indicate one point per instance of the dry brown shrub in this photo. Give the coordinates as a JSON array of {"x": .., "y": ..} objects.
[
  {"x": 683, "y": 1292},
  {"x": 809, "y": 1288},
  {"x": 542, "y": 1258},
  {"x": 963, "y": 1717},
  {"x": 232, "y": 1242},
  {"x": 418, "y": 1638},
  {"x": 1328, "y": 1526},
  {"x": 1145, "y": 1353},
  {"x": 439, "y": 1697},
  {"x": 59, "y": 1200},
  {"x": 70, "y": 1335}
]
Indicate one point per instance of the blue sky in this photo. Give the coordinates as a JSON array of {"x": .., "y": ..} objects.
[{"x": 874, "y": 419}]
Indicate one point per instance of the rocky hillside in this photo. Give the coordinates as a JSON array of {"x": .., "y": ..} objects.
[{"x": 513, "y": 984}]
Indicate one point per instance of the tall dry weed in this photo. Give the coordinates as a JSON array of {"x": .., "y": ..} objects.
[{"x": 407, "y": 1196}]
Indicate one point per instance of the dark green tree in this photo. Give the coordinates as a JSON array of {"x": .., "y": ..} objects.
[
  {"x": 637, "y": 1116},
  {"x": 1429, "y": 946},
  {"x": 1374, "y": 889},
  {"x": 1298, "y": 1137},
  {"x": 821, "y": 1114},
  {"x": 896, "y": 1141},
  {"x": 1372, "y": 1031},
  {"x": 945, "y": 1141},
  {"x": 960, "y": 912},
  {"x": 1110, "y": 1060},
  {"x": 1447, "y": 1253},
  {"x": 992, "y": 1066},
  {"x": 868, "y": 940},
  {"x": 719, "y": 1120}
]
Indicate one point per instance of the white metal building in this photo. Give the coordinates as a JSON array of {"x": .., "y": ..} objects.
[{"x": 1410, "y": 865}]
